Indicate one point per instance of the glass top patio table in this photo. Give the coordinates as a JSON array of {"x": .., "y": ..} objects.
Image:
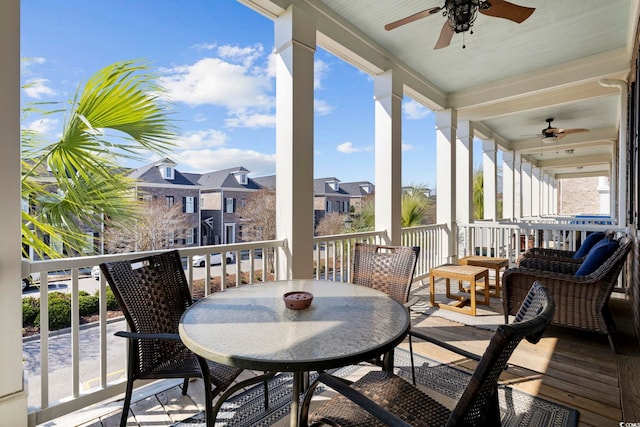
[{"x": 250, "y": 327}]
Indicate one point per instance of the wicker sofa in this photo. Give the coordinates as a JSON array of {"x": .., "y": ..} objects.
[
  {"x": 581, "y": 301},
  {"x": 575, "y": 257}
]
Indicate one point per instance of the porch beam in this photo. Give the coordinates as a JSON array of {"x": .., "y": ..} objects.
[
  {"x": 388, "y": 155},
  {"x": 295, "y": 44}
]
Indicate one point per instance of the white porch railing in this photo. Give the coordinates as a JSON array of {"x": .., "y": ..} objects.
[
  {"x": 67, "y": 367},
  {"x": 332, "y": 259},
  {"x": 510, "y": 240}
]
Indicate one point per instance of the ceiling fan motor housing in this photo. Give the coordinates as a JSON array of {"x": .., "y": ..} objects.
[{"x": 463, "y": 13}]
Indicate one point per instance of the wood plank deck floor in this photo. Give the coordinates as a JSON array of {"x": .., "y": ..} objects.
[{"x": 575, "y": 369}]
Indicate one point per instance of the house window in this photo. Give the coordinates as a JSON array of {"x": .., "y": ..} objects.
[
  {"x": 189, "y": 204},
  {"x": 229, "y": 204},
  {"x": 241, "y": 178},
  {"x": 170, "y": 201},
  {"x": 329, "y": 209},
  {"x": 190, "y": 236},
  {"x": 167, "y": 172}
]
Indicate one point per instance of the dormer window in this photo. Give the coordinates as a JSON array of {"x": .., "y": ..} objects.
[
  {"x": 334, "y": 185},
  {"x": 241, "y": 177},
  {"x": 167, "y": 172},
  {"x": 366, "y": 188}
]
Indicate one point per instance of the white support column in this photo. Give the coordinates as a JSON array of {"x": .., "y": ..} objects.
[
  {"x": 490, "y": 178},
  {"x": 517, "y": 186},
  {"x": 464, "y": 173},
  {"x": 388, "y": 145},
  {"x": 508, "y": 185},
  {"x": 605, "y": 199},
  {"x": 295, "y": 43},
  {"x": 554, "y": 196},
  {"x": 13, "y": 397},
  {"x": 535, "y": 191},
  {"x": 544, "y": 208},
  {"x": 446, "y": 179},
  {"x": 526, "y": 189}
]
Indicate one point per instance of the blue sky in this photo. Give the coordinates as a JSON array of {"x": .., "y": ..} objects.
[{"x": 214, "y": 58}]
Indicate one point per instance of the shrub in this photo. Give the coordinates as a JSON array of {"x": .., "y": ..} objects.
[
  {"x": 59, "y": 311},
  {"x": 112, "y": 303},
  {"x": 87, "y": 304},
  {"x": 30, "y": 310}
]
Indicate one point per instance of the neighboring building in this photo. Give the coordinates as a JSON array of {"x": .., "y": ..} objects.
[
  {"x": 222, "y": 194},
  {"x": 161, "y": 180},
  {"x": 212, "y": 199}
]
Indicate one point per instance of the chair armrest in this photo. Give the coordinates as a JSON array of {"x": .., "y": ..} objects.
[
  {"x": 138, "y": 336},
  {"x": 549, "y": 253},
  {"x": 414, "y": 300},
  {"x": 550, "y": 264},
  {"x": 364, "y": 402},
  {"x": 445, "y": 345}
]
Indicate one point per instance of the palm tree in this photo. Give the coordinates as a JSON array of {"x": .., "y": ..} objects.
[
  {"x": 76, "y": 182},
  {"x": 414, "y": 207},
  {"x": 478, "y": 194}
]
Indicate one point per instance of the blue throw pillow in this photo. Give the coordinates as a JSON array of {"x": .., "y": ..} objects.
[
  {"x": 588, "y": 243},
  {"x": 597, "y": 256}
]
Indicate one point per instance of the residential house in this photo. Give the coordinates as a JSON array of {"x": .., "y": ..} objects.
[
  {"x": 161, "y": 180},
  {"x": 222, "y": 194}
]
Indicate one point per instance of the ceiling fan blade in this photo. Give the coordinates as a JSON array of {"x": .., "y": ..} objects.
[
  {"x": 577, "y": 130},
  {"x": 411, "y": 18},
  {"x": 507, "y": 10},
  {"x": 446, "y": 34}
]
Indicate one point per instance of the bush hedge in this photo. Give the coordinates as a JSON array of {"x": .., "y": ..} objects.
[{"x": 60, "y": 308}]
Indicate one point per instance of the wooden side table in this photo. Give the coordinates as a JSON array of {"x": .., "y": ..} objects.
[
  {"x": 460, "y": 273},
  {"x": 492, "y": 263}
]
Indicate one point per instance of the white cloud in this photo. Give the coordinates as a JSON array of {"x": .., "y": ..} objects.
[
  {"x": 202, "y": 139},
  {"x": 251, "y": 120},
  {"x": 320, "y": 70},
  {"x": 204, "y": 46},
  {"x": 43, "y": 126},
  {"x": 244, "y": 55},
  {"x": 414, "y": 110},
  {"x": 322, "y": 107},
  {"x": 200, "y": 118},
  {"x": 214, "y": 81},
  {"x": 38, "y": 88},
  {"x": 348, "y": 148},
  {"x": 408, "y": 147},
  {"x": 223, "y": 158}
]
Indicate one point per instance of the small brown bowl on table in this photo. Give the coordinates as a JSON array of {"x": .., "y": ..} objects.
[{"x": 298, "y": 300}]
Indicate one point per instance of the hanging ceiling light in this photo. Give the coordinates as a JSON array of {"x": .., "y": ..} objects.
[
  {"x": 549, "y": 139},
  {"x": 462, "y": 14}
]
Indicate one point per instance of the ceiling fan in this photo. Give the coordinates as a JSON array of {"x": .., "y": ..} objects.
[
  {"x": 461, "y": 14},
  {"x": 551, "y": 134}
]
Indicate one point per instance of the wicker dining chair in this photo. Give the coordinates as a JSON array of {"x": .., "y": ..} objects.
[
  {"x": 383, "y": 399},
  {"x": 388, "y": 269},
  {"x": 582, "y": 301},
  {"x": 153, "y": 293}
]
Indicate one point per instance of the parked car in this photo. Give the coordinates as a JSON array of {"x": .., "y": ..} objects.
[
  {"x": 29, "y": 281},
  {"x": 199, "y": 260},
  {"x": 95, "y": 272}
]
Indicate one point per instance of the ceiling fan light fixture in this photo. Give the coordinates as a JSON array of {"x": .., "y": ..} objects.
[
  {"x": 549, "y": 139},
  {"x": 463, "y": 13}
]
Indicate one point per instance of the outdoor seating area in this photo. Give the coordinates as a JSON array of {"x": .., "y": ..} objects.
[{"x": 581, "y": 289}]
